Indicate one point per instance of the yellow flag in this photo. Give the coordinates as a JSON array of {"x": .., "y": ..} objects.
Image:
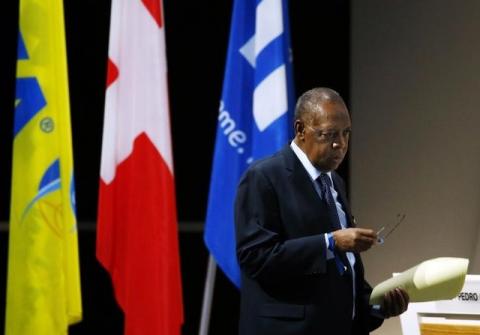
[{"x": 43, "y": 285}]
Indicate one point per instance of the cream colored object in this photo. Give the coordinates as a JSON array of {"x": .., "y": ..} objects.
[{"x": 435, "y": 279}]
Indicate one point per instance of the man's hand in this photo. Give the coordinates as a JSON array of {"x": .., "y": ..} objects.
[
  {"x": 354, "y": 239},
  {"x": 395, "y": 302}
]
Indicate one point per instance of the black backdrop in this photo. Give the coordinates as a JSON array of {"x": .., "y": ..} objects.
[{"x": 197, "y": 37}]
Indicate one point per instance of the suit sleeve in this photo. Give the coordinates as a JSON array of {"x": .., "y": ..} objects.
[
  {"x": 262, "y": 250},
  {"x": 374, "y": 321}
]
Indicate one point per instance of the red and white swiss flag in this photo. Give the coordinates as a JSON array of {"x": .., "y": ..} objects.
[{"x": 137, "y": 237}]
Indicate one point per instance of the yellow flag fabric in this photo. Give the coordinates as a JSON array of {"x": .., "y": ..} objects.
[{"x": 43, "y": 285}]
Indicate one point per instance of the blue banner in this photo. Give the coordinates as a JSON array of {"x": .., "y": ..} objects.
[{"x": 255, "y": 116}]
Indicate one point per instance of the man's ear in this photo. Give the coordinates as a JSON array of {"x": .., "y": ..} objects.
[{"x": 299, "y": 129}]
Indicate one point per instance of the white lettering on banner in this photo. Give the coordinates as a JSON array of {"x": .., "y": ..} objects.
[{"x": 236, "y": 137}]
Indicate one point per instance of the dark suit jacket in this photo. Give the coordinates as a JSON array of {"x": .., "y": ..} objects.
[{"x": 288, "y": 286}]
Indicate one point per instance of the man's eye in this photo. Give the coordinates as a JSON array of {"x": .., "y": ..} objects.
[{"x": 328, "y": 136}]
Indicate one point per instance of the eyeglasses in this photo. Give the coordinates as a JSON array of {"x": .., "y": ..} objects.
[
  {"x": 390, "y": 228},
  {"x": 330, "y": 136}
]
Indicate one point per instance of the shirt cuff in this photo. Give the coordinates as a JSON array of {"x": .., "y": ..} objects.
[{"x": 330, "y": 245}]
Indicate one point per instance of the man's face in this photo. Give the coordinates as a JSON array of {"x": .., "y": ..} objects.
[{"x": 325, "y": 134}]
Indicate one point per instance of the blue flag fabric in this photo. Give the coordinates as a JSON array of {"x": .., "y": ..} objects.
[{"x": 255, "y": 115}]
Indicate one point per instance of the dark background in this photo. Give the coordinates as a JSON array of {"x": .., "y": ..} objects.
[{"x": 197, "y": 37}]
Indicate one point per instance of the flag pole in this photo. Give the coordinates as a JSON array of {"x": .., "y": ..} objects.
[{"x": 208, "y": 296}]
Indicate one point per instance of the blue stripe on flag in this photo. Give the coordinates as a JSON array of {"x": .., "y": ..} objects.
[
  {"x": 30, "y": 101},
  {"x": 73, "y": 202},
  {"x": 239, "y": 140},
  {"x": 51, "y": 174},
  {"x": 22, "y": 53}
]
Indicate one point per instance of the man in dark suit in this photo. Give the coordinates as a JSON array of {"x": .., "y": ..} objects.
[{"x": 297, "y": 244}]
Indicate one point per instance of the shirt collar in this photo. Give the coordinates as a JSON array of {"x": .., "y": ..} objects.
[{"x": 312, "y": 171}]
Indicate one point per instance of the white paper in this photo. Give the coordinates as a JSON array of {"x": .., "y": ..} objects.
[{"x": 435, "y": 279}]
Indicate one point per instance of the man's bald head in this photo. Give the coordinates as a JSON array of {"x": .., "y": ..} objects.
[
  {"x": 322, "y": 127},
  {"x": 312, "y": 100}
]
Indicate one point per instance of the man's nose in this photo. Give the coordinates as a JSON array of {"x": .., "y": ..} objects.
[{"x": 340, "y": 142}]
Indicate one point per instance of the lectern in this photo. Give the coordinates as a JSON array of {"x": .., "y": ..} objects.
[{"x": 460, "y": 315}]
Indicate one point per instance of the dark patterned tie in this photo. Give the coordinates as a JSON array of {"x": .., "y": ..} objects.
[{"x": 325, "y": 184}]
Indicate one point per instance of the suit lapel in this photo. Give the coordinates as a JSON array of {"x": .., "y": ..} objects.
[
  {"x": 309, "y": 202},
  {"x": 297, "y": 172}
]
